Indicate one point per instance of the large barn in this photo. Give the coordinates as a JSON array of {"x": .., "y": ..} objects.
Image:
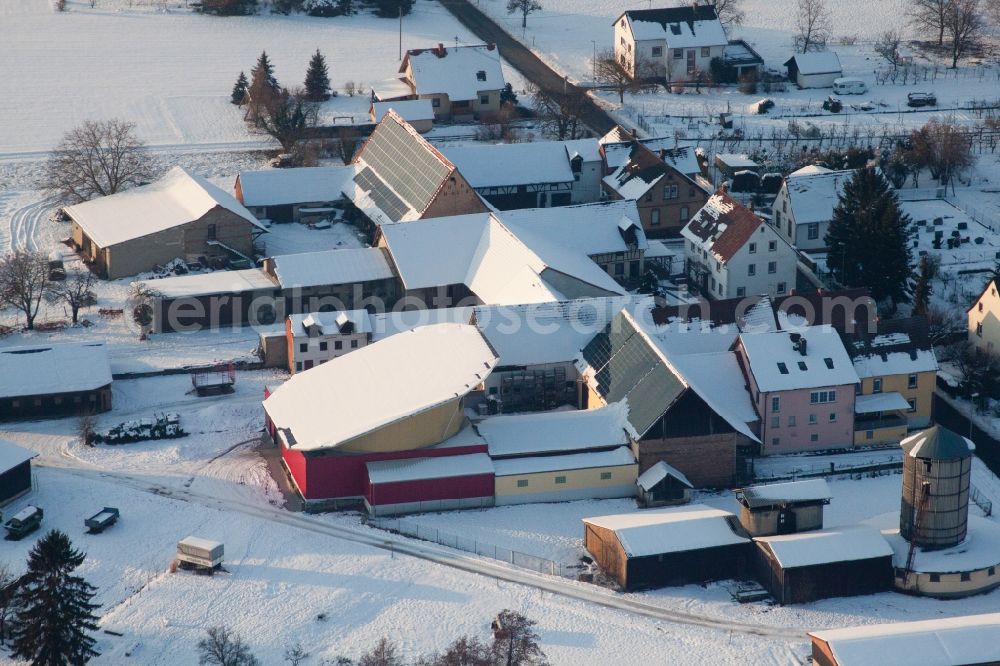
[
  {"x": 15, "y": 471},
  {"x": 398, "y": 398},
  {"x": 46, "y": 381}
]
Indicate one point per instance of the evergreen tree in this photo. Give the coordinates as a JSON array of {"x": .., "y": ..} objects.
[
  {"x": 264, "y": 71},
  {"x": 317, "y": 79},
  {"x": 239, "y": 90},
  {"x": 868, "y": 239},
  {"x": 507, "y": 95},
  {"x": 922, "y": 289},
  {"x": 55, "y": 610},
  {"x": 392, "y": 8}
]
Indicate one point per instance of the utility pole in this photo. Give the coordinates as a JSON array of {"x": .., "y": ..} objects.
[
  {"x": 401, "y": 33},
  {"x": 594, "y": 63}
]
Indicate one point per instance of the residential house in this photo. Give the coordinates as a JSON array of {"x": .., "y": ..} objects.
[
  {"x": 814, "y": 70},
  {"x": 666, "y": 197},
  {"x": 588, "y": 169},
  {"x": 317, "y": 337},
  {"x": 683, "y": 158},
  {"x": 984, "y": 318},
  {"x": 609, "y": 232},
  {"x": 803, "y": 386},
  {"x": 303, "y": 194},
  {"x": 179, "y": 216},
  {"x": 54, "y": 380},
  {"x": 805, "y": 203},
  {"x": 462, "y": 82},
  {"x": 675, "y": 43},
  {"x": 419, "y": 113},
  {"x": 731, "y": 253}
]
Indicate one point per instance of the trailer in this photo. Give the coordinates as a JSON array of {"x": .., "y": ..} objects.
[
  {"x": 216, "y": 380},
  {"x": 102, "y": 520},
  {"x": 200, "y": 554},
  {"x": 24, "y": 522}
]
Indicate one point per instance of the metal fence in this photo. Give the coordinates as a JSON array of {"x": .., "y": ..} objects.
[{"x": 483, "y": 549}]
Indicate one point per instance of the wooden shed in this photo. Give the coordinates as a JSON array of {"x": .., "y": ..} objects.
[
  {"x": 662, "y": 484},
  {"x": 15, "y": 471},
  {"x": 673, "y": 546},
  {"x": 783, "y": 508},
  {"x": 797, "y": 568}
]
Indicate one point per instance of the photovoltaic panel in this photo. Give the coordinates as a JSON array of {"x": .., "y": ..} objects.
[
  {"x": 404, "y": 162},
  {"x": 381, "y": 195}
]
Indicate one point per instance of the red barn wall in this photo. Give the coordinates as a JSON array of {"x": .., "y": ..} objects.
[{"x": 424, "y": 490}]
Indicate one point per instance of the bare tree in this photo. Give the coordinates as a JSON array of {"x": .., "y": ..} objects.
[
  {"x": 296, "y": 654},
  {"x": 559, "y": 111},
  {"x": 348, "y": 139},
  {"x": 930, "y": 15},
  {"x": 24, "y": 282},
  {"x": 943, "y": 148},
  {"x": 943, "y": 326},
  {"x": 76, "y": 291},
  {"x": 8, "y": 598},
  {"x": 525, "y": 7},
  {"x": 887, "y": 45},
  {"x": 612, "y": 73},
  {"x": 140, "y": 300},
  {"x": 515, "y": 641},
  {"x": 290, "y": 119},
  {"x": 383, "y": 654},
  {"x": 221, "y": 647},
  {"x": 96, "y": 159},
  {"x": 963, "y": 26},
  {"x": 729, "y": 11},
  {"x": 813, "y": 25}
]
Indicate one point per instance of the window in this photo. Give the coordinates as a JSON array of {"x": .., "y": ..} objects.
[
  {"x": 560, "y": 479},
  {"x": 678, "y": 54},
  {"x": 619, "y": 268},
  {"x": 966, "y": 576},
  {"x": 654, "y": 217},
  {"x": 980, "y": 307},
  {"x": 913, "y": 405},
  {"x": 484, "y": 99},
  {"x": 741, "y": 291},
  {"x": 649, "y": 195},
  {"x": 791, "y": 421},
  {"x": 711, "y": 283},
  {"x": 814, "y": 437},
  {"x": 211, "y": 232},
  {"x": 781, "y": 287},
  {"x": 338, "y": 344},
  {"x": 822, "y": 397},
  {"x": 57, "y": 400},
  {"x": 522, "y": 483},
  {"x": 720, "y": 289},
  {"x": 991, "y": 571},
  {"x": 354, "y": 344},
  {"x": 877, "y": 385},
  {"x": 304, "y": 347},
  {"x": 605, "y": 476},
  {"x": 775, "y": 441},
  {"x": 706, "y": 51},
  {"x": 782, "y": 368},
  {"x": 812, "y": 419},
  {"x": 911, "y": 381},
  {"x": 869, "y": 434},
  {"x": 935, "y": 578},
  {"x": 481, "y": 75},
  {"x": 684, "y": 214},
  {"x": 802, "y": 366},
  {"x": 657, "y": 51},
  {"x": 718, "y": 267},
  {"x": 775, "y": 421},
  {"x": 436, "y": 102},
  {"x": 813, "y": 230},
  {"x": 772, "y": 267},
  {"x": 753, "y": 248},
  {"x": 833, "y": 417},
  {"x": 776, "y": 403},
  {"x": 829, "y": 362},
  {"x": 752, "y": 270},
  {"x": 772, "y": 246},
  {"x": 298, "y": 366},
  {"x": 669, "y": 192},
  {"x": 322, "y": 345},
  {"x": 979, "y": 330}
]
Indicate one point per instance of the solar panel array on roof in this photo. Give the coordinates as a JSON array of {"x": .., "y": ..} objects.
[
  {"x": 381, "y": 195},
  {"x": 402, "y": 160}
]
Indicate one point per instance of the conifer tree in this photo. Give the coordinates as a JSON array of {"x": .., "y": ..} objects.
[
  {"x": 55, "y": 612},
  {"x": 868, "y": 239},
  {"x": 264, "y": 71},
  {"x": 317, "y": 82},
  {"x": 239, "y": 90},
  {"x": 922, "y": 289}
]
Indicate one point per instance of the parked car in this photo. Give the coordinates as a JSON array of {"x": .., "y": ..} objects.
[
  {"x": 23, "y": 522},
  {"x": 849, "y": 86},
  {"x": 916, "y": 99}
]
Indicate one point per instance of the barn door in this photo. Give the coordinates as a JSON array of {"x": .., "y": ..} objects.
[{"x": 786, "y": 521}]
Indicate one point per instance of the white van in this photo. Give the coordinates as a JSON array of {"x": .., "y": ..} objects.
[{"x": 849, "y": 86}]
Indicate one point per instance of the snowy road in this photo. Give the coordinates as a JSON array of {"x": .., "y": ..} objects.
[{"x": 454, "y": 560}]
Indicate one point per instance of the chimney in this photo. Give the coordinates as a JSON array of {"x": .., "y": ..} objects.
[
  {"x": 440, "y": 50},
  {"x": 663, "y": 153},
  {"x": 802, "y": 346}
]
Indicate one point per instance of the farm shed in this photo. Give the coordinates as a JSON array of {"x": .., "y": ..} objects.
[
  {"x": 279, "y": 195},
  {"x": 412, "y": 485},
  {"x": 45, "y": 381},
  {"x": 951, "y": 641},
  {"x": 796, "y": 568},
  {"x": 729, "y": 164},
  {"x": 15, "y": 471},
  {"x": 814, "y": 70},
  {"x": 662, "y": 484},
  {"x": 179, "y": 215},
  {"x": 564, "y": 478},
  {"x": 418, "y": 112},
  {"x": 783, "y": 508},
  {"x": 216, "y": 299},
  {"x": 667, "y": 546}
]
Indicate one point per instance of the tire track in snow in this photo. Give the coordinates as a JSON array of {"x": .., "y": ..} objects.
[{"x": 26, "y": 224}]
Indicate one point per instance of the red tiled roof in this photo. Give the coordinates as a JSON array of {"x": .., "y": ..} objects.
[{"x": 727, "y": 221}]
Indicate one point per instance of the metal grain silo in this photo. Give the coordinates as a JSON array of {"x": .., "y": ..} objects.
[{"x": 937, "y": 464}]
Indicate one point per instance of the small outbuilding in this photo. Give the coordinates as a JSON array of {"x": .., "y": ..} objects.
[
  {"x": 15, "y": 471},
  {"x": 797, "y": 568},
  {"x": 814, "y": 70},
  {"x": 418, "y": 112},
  {"x": 673, "y": 546},
  {"x": 663, "y": 484},
  {"x": 47, "y": 381},
  {"x": 783, "y": 508}
]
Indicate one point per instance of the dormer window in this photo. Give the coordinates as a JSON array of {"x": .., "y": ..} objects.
[
  {"x": 782, "y": 368},
  {"x": 481, "y": 75},
  {"x": 802, "y": 366},
  {"x": 829, "y": 363}
]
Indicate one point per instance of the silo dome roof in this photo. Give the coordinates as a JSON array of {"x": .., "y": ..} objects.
[{"x": 938, "y": 443}]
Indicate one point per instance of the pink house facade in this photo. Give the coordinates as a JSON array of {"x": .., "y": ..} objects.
[{"x": 803, "y": 387}]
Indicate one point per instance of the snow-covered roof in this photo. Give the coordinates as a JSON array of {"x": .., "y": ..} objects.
[
  {"x": 328, "y": 267},
  {"x": 819, "y": 62},
  {"x": 661, "y": 470},
  {"x": 379, "y": 384},
  {"x": 177, "y": 198},
  {"x": 682, "y": 27},
  {"x": 722, "y": 227},
  {"x": 641, "y": 171},
  {"x": 558, "y": 431},
  {"x": 330, "y": 323},
  {"x": 410, "y": 110},
  {"x": 718, "y": 380},
  {"x": 879, "y": 364},
  {"x": 198, "y": 542},
  {"x": 845, "y": 544},
  {"x": 736, "y": 160},
  {"x": 277, "y": 187},
  {"x": 879, "y": 402},
  {"x": 212, "y": 282},
  {"x": 385, "y": 324},
  {"x": 777, "y": 366},
  {"x": 939, "y": 443},
  {"x": 460, "y": 72},
  {"x": 979, "y": 550},
  {"x": 536, "y": 465},
  {"x": 809, "y": 170},
  {"x": 950, "y": 641},
  {"x": 423, "y": 469},
  {"x": 48, "y": 369},
  {"x": 682, "y": 158},
  {"x": 589, "y": 150},
  {"x": 595, "y": 228},
  {"x": 792, "y": 492},
  {"x": 511, "y": 164},
  {"x": 674, "y": 530},
  {"x": 12, "y": 455},
  {"x": 814, "y": 196}
]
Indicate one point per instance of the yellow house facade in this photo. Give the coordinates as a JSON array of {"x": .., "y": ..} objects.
[
  {"x": 563, "y": 478},
  {"x": 984, "y": 319},
  {"x": 902, "y": 381}
]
